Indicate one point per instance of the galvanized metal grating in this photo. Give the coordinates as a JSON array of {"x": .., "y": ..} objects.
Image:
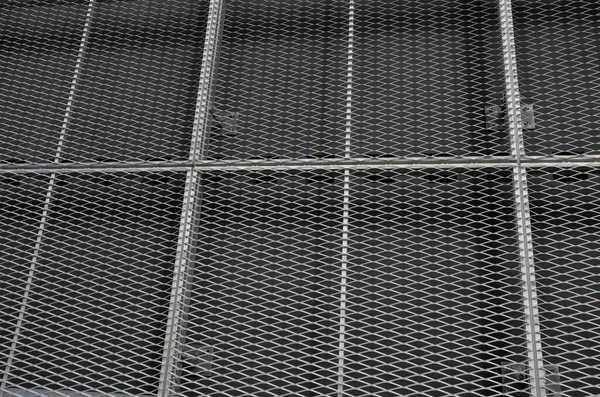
[
  {"x": 559, "y": 66},
  {"x": 434, "y": 297},
  {"x": 266, "y": 289},
  {"x": 565, "y": 211},
  {"x": 118, "y": 80},
  {"x": 311, "y": 278},
  {"x": 423, "y": 73},
  {"x": 282, "y": 72},
  {"x": 267, "y": 284},
  {"x": 39, "y": 52},
  {"x": 94, "y": 291},
  {"x": 21, "y": 201},
  {"x": 139, "y": 81}
]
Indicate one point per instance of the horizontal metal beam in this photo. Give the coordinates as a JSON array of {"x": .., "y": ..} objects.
[{"x": 341, "y": 163}]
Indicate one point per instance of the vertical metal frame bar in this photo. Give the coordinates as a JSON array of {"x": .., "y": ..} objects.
[
  {"x": 513, "y": 111},
  {"x": 182, "y": 273},
  {"x": 49, "y": 192},
  {"x": 208, "y": 71},
  {"x": 346, "y": 203}
]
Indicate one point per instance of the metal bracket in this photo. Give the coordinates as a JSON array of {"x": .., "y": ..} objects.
[
  {"x": 226, "y": 123},
  {"x": 197, "y": 359},
  {"x": 552, "y": 380},
  {"x": 527, "y": 117},
  {"x": 495, "y": 117},
  {"x": 515, "y": 379}
]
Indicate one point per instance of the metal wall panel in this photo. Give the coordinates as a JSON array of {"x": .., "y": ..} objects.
[
  {"x": 423, "y": 73},
  {"x": 565, "y": 210},
  {"x": 137, "y": 93},
  {"x": 39, "y": 51},
  {"x": 434, "y": 298},
  {"x": 95, "y": 316},
  {"x": 266, "y": 291},
  {"x": 558, "y": 49},
  {"x": 21, "y": 200},
  {"x": 283, "y": 70},
  {"x": 341, "y": 267}
]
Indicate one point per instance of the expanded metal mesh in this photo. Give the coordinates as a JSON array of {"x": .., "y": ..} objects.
[
  {"x": 559, "y": 68},
  {"x": 434, "y": 299},
  {"x": 136, "y": 66},
  {"x": 398, "y": 277},
  {"x": 266, "y": 289},
  {"x": 565, "y": 211},
  {"x": 282, "y": 71},
  {"x": 39, "y": 52},
  {"x": 21, "y": 202},
  {"x": 94, "y": 292},
  {"x": 423, "y": 73},
  {"x": 283, "y": 78},
  {"x": 433, "y": 291}
]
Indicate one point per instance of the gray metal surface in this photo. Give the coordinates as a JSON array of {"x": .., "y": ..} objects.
[{"x": 358, "y": 232}]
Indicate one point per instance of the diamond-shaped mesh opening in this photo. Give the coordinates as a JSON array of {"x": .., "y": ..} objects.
[
  {"x": 39, "y": 45},
  {"x": 558, "y": 48},
  {"x": 96, "y": 313},
  {"x": 267, "y": 284},
  {"x": 423, "y": 73},
  {"x": 282, "y": 70},
  {"x": 565, "y": 213},
  {"x": 434, "y": 293}
]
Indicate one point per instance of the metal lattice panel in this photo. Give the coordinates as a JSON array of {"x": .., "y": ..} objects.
[
  {"x": 21, "y": 201},
  {"x": 559, "y": 65},
  {"x": 434, "y": 299},
  {"x": 282, "y": 70},
  {"x": 267, "y": 286},
  {"x": 95, "y": 313},
  {"x": 267, "y": 282},
  {"x": 100, "y": 81},
  {"x": 139, "y": 81},
  {"x": 565, "y": 210},
  {"x": 382, "y": 253},
  {"x": 423, "y": 72},
  {"x": 39, "y": 52}
]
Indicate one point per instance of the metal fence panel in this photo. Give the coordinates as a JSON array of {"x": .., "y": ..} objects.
[
  {"x": 39, "y": 52},
  {"x": 137, "y": 93},
  {"x": 266, "y": 290},
  {"x": 305, "y": 207},
  {"x": 282, "y": 72},
  {"x": 21, "y": 201}
]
